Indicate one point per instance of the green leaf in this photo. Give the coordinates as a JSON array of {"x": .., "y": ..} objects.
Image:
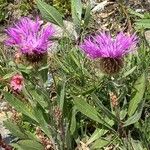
[
  {"x": 50, "y": 13},
  {"x": 98, "y": 133},
  {"x": 76, "y": 6},
  {"x": 90, "y": 111},
  {"x": 135, "y": 13},
  {"x": 9, "y": 75},
  {"x": 38, "y": 97},
  {"x": 138, "y": 91},
  {"x": 87, "y": 109},
  {"x": 87, "y": 15},
  {"x": 137, "y": 145},
  {"x": 19, "y": 105},
  {"x": 73, "y": 121},
  {"x": 30, "y": 145},
  {"x": 100, "y": 143},
  {"x": 105, "y": 110},
  {"x": 16, "y": 146},
  {"x": 61, "y": 95},
  {"x": 15, "y": 129},
  {"x": 76, "y": 9},
  {"x": 123, "y": 113},
  {"x": 31, "y": 135},
  {"x": 143, "y": 23},
  {"x": 124, "y": 110},
  {"x": 18, "y": 131},
  {"x": 74, "y": 56},
  {"x": 40, "y": 117},
  {"x": 63, "y": 67},
  {"x": 25, "y": 69},
  {"x": 45, "y": 67},
  {"x": 129, "y": 72},
  {"x": 133, "y": 119}
]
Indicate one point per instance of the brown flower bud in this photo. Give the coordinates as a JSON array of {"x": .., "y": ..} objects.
[{"x": 111, "y": 65}]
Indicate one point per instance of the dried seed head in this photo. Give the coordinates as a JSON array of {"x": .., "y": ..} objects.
[
  {"x": 57, "y": 114},
  {"x": 44, "y": 139},
  {"x": 111, "y": 65},
  {"x": 16, "y": 117},
  {"x": 113, "y": 99}
]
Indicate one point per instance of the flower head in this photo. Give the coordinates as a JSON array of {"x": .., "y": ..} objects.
[
  {"x": 109, "y": 50},
  {"x": 104, "y": 46},
  {"x": 16, "y": 82},
  {"x": 29, "y": 36}
]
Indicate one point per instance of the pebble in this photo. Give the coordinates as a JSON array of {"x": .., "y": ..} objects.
[
  {"x": 147, "y": 36},
  {"x": 3, "y": 131}
]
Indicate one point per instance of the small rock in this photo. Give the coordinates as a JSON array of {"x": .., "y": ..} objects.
[
  {"x": 101, "y": 6},
  {"x": 4, "y": 132},
  {"x": 147, "y": 36},
  {"x": 139, "y": 10},
  {"x": 3, "y": 104}
]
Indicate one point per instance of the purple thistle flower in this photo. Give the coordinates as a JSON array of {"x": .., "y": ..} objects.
[
  {"x": 29, "y": 36},
  {"x": 109, "y": 50},
  {"x": 104, "y": 46}
]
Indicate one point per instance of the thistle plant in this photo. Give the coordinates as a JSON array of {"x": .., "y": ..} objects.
[
  {"x": 74, "y": 106},
  {"x": 30, "y": 38},
  {"x": 109, "y": 50}
]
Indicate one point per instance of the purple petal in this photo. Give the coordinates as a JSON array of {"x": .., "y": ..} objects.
[
  {"x": 29, "y": 36},
  {"x": 103, "y": 45}
]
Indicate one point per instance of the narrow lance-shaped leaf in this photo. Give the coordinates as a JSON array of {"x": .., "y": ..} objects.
[
  {"x": 129, "y": 72},
  {"x": 15, "y": 129},
  {"x": 143, "y": 23},
  {"x": 133, "y": 119},
  {"x": 30, "y": 145},
  {"x": 99, "y": 132},
  {"x": 135, "y": 13},
  {"x": 138, "y": 90},
  {"x": 9, "y": 75},
  {"x": 90, "y": 112},
  {"x": 50, "y": 13},
  {"x": 100, "y": 143},
  {"x": 87, "y": 15},
  {"x": 63, "y": 67},
  {"x": 137, "y": 145},
  {"x": 61, "y": 95},
  {"x": 76, "y": 9},
  {"x": 19, "y": 105},
  {"x": 73, "y": 120},
  {"x": 38, "y": 97},
  {"x": 104, "y": 109},
  {"x": 41, "y": 120}
]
